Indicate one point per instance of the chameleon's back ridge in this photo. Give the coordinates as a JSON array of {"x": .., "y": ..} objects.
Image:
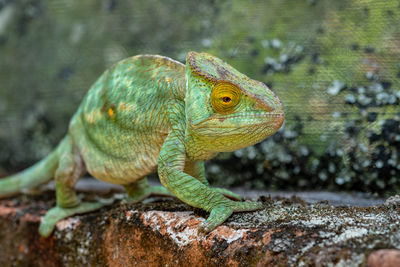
[{"x": 151, "y": 113}]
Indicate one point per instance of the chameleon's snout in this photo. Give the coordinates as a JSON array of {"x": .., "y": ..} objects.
[
  {"x": 279, "y": 114},
  {"x": 279, "y": 121},
  {"x": 269, "y": 104},
  {"x": 272, "y": 105}
]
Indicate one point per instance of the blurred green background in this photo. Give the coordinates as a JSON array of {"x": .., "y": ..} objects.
[{"x": 334, "y": 64}]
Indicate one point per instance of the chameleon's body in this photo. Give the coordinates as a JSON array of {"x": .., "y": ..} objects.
[{"x": 149, "y": 112}]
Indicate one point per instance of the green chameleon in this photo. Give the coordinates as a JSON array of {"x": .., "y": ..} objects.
[{"x": 149, "y": 113}]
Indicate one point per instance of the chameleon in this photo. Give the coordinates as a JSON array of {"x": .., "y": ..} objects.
[{"x": 150, "y": 113}]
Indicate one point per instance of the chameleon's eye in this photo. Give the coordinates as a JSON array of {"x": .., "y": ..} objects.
[{"x": 224, "y": 97}]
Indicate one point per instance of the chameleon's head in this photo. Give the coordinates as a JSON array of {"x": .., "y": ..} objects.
[{"x": 225, "y": 108}]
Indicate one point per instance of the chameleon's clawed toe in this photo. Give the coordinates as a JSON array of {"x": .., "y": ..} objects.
[
  {"x": 247, "y": 206},
  {"x": 217, "y": 216},
  {"x": 204, "y": 228}
]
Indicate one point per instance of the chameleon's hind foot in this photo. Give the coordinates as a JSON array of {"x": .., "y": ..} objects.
[
  {"x": 220, "y": 213},
  {"x": 141, "y": 189},
  {"x": 152, "y": 190},
  {"x": 56, "y": 214},
  {"x": 228, "y": 194}
]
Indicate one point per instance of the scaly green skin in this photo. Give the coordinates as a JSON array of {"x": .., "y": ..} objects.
[{"x": 149, "y": 112}]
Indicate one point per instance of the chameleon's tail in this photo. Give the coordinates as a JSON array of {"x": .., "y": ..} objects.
[{"x": 35, "y": 175}]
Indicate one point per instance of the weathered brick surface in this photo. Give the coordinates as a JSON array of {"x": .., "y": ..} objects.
[{"x": 164, "y": 233}]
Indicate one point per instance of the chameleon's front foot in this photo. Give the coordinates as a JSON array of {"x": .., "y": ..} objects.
[
  {"x": 220, "y": 213},
  {"x": 56, "y": 214}
]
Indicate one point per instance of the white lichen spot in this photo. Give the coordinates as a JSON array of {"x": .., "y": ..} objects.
[
  {"x": 129, "y": 214},
  {"x": 68, "y": 236},
  {"x": 356, "y": 260},
  {"x": 315, "y": 222},
  {"x": 181, "y": 227},
  {"x": 68, "y": 223},
  {"x": 234, "y": 235},
  {"x": 350, "y": 233},
  {"x": 308, "y": 247},
  {"x": 172, "y": 222},
  {"x": 326, "y": 234}
]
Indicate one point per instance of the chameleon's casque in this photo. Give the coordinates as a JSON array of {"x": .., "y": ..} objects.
[{"x": 149, "y": 113}]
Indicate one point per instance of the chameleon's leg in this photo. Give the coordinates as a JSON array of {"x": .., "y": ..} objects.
[
  {"x": 171, "y": 164},
  {"x": 191, "y": 191},
  {"x": 70, "y": 169},
  {"x": 197, "y": 170},
  {"x": 139, "y": 190}
]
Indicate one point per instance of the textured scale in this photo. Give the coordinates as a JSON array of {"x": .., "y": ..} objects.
[{"x": 151, "y": 113}]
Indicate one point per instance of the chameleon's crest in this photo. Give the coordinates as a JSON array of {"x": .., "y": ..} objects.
[
  {"x": 211, "y": 68},
  {"x": 214, "y": 70}
]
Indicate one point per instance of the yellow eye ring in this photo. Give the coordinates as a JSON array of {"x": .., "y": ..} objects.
[{"x": 224, "y": 97}]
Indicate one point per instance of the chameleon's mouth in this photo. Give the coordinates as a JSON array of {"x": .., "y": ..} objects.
[
  {"x": 252, "y": 115},
  {"x": 275, "y": 119},
  {"x": 255, "y": 119}
]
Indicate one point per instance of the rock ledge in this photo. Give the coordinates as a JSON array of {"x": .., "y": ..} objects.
[{"x": 163, "y": 232}]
